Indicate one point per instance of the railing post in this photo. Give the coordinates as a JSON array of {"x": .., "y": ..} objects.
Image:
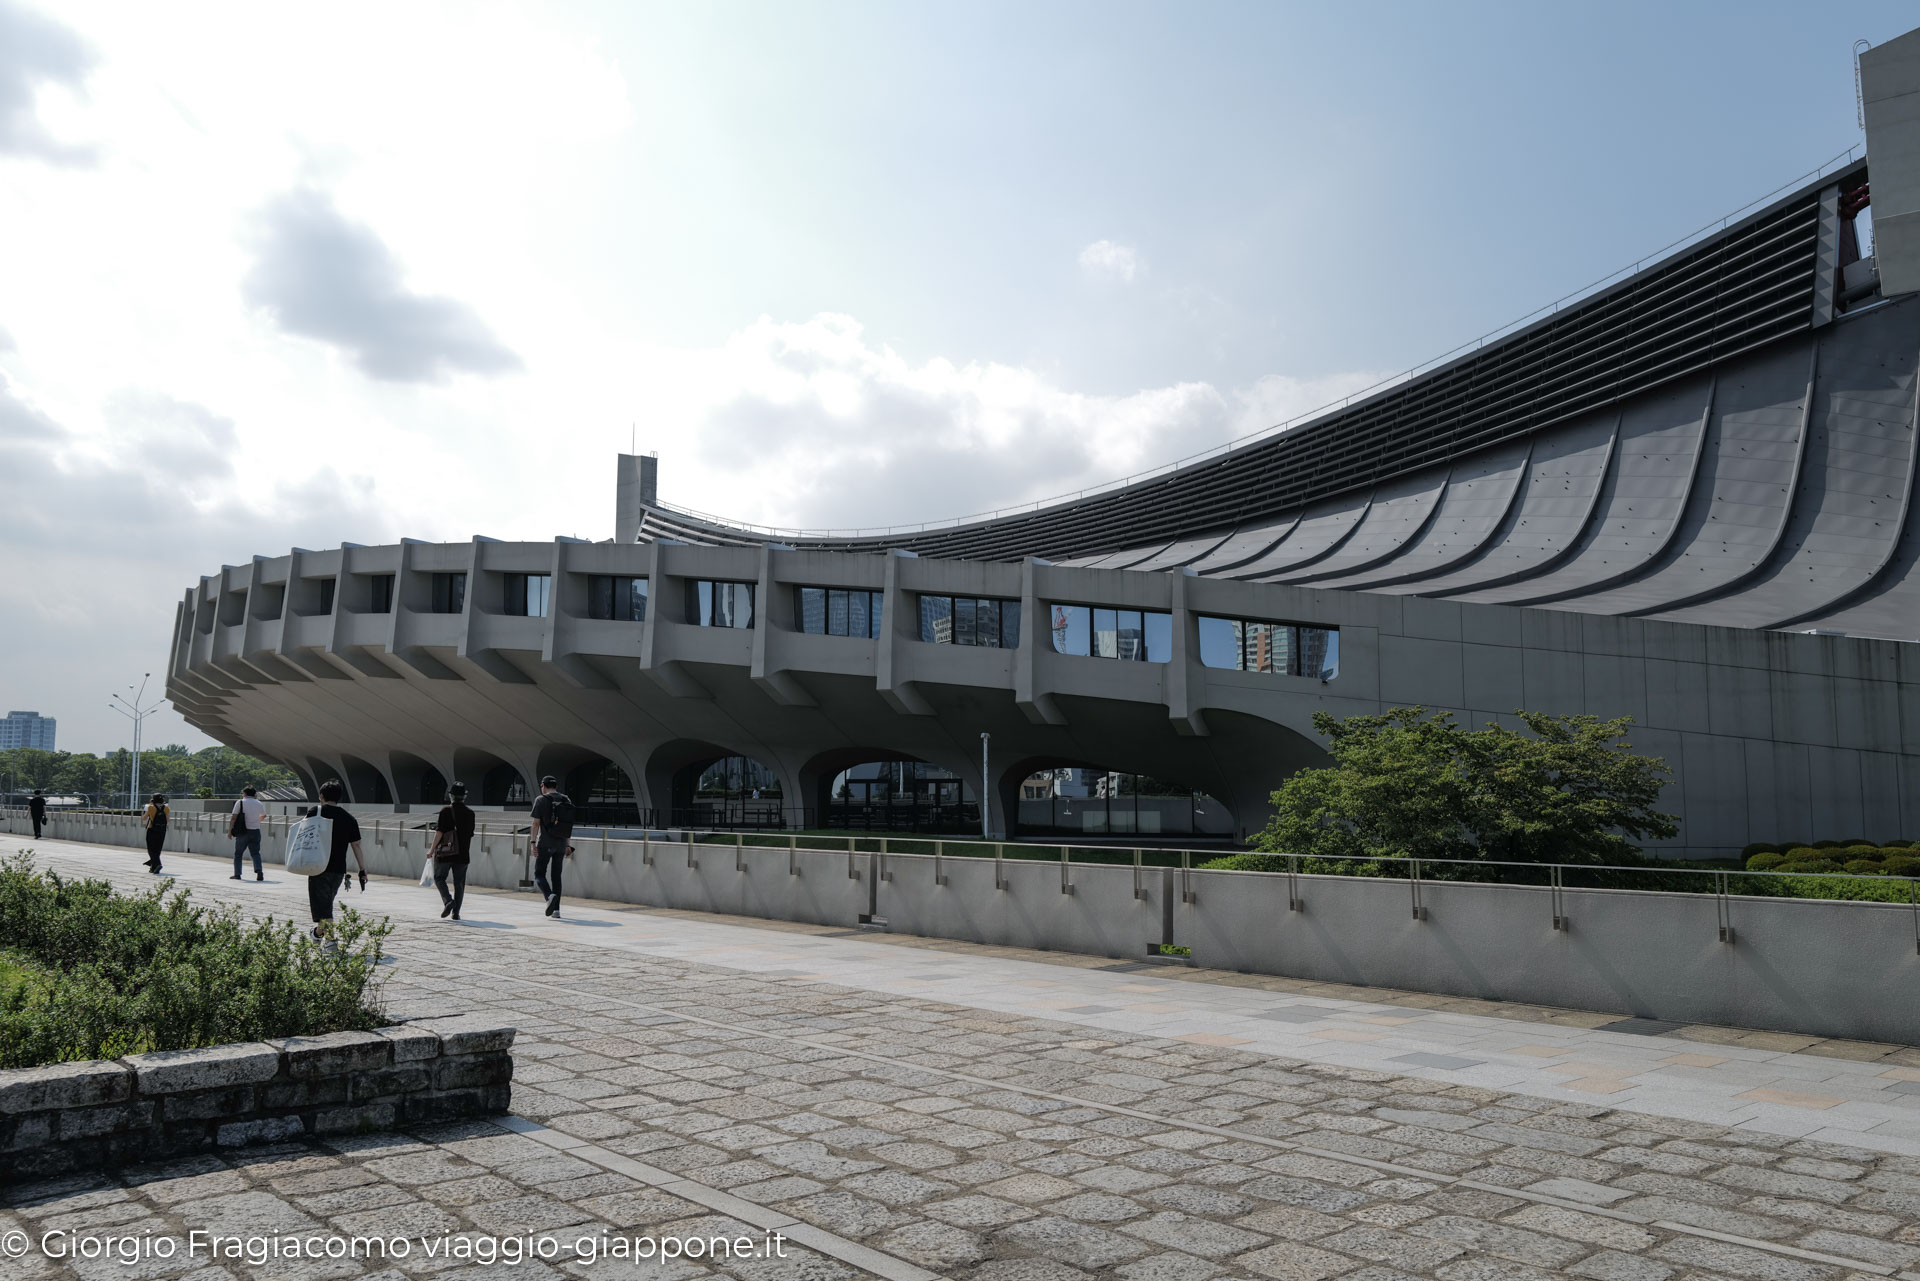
[
  {"x": 1413, "y": 881},
  {"x": 1558, "y": 882},
  {"x": 1913, "y": 898},
  {"x": 793, "y": 855},
  {"x": 1139, "y": 889},
  {"x": 880, "y": 861},
  {"x": 1186, "y": 878},
  {"x": 853, "y": 861},
  {"x": 1723, "y": 906},
  {"x": 939, "y": 862},
  {"x": 1293, "y": 883},
  {"x": 999, "y": 867},
  {"x": 739, "y": 851},
  {"x": 646, "y": 847},
  {"x": 1066, "y": 870}
]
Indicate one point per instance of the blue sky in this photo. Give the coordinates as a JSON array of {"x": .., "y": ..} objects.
[{"x": 283, "y": 276}]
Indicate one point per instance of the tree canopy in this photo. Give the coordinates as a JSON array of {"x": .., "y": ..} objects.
[
  {"x": 171, "y": 769},
  {"x": 1411, "y": 783}
]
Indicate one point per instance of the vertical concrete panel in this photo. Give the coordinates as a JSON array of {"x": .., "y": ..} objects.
[
  {"x": 1615, "y": 686},
  {"x": 1715, "y": 822},
  {"x": 1792, "y": 798},
  {"x": 1676, "y": 695},
  {"x": 1763, "y": 818},
  {"x": 1425, "y": 672},
  {"x": 1834, "y": 785},
  {"x": 1553, "y": 681},
  {"x": 1492, "y": 680},
  {"x": 1737, "y": 701},
  {"x": 1880, "y": 797},
  {"x": 1803, "y": 708}
]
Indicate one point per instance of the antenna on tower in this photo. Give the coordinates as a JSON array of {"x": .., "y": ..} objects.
[{"x": 1859, "y": 95}]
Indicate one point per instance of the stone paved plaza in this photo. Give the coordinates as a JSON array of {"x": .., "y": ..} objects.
[{"x": 918, "y": 1118}]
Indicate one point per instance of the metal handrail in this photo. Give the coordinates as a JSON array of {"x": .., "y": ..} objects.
[{"x": 1719, "y": 882}]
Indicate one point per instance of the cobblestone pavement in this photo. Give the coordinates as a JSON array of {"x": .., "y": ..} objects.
[{"x": 900, "y": 1136}]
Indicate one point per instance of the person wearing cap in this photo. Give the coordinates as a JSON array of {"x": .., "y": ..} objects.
[
  {"x": 37, "y": 809},
  {"x": 552, "y": 827}
]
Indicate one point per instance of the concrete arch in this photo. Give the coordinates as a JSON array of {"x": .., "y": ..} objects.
[
  {"x": 367, "y": 783},
  {"x": 673, "y": 769},
  {"x": 1008, "y": 781},
  {"x": 489, "y": 777},
  {"x": 817, "y": 774},
  {"x": 416, "y": 780}
]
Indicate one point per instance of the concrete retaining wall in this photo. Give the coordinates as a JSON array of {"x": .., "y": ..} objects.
[
  {"x": 108, "y": 1113},
  {"x": 1831, "y": 969}
]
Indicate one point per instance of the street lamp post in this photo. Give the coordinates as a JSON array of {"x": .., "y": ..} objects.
[
  {"x": 131, "y": 709},
  {"x": 986, "y": 786}
]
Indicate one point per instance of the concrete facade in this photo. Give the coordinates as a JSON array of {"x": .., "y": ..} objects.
[{"x": 1688, "y": 499}]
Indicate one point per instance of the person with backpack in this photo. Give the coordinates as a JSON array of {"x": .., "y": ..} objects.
[
  {"x": 552, "y": 829},
  {"x": 452, "y": 843},
  {"x": 323, "y": 888},
  {"x": 244, "y": 827},
  {"x": 37, "y": 810},
  {"x": 155, "y": 819}
]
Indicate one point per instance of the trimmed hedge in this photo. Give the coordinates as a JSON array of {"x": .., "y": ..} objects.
[{"x": 88, "y": 973}]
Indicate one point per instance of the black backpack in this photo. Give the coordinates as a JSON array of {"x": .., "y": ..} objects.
[{"x": 559, "y": 825}]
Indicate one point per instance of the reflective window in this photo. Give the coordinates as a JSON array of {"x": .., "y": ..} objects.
[
  {"x": 449, "y": 593},
  {"x": 615, "y": 596},
  {"x": 840, "y": 611},
  {"x": 1159, "y": 637},
  {"x": 382, "y": 596},
  {"x": 970, "y": 620},
  {"x": 528, "y": 595},
  {"x": 718, "y": 604},
  {"x": 1130, "y": 635},
  {"x": 1251, "y": 645}
]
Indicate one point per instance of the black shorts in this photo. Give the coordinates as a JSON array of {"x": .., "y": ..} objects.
[{"x": 321, "y": 891}]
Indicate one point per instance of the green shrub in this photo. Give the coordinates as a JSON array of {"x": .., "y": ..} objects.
[
  {"x": 1864, "y": 866},
  {"x": 1831, "y": 845},
  {"x": 96, "y": 974},
  {"x": 1900, "y": 865},
  {"x": 1764, "y": 860},
  {"x": 1761, "y": 847},
  {"x": 1851, "y": 852},
  {"x": 1247, "y": 863}
]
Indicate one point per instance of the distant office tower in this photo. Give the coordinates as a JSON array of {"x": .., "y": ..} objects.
[{"x": 27, "y": 729}]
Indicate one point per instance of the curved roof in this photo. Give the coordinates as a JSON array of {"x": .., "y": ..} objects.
[{"x": 1714, "y": 439}]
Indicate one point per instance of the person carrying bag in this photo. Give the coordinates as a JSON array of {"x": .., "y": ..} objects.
[
  {"x": 452, "y": 845},
  {"x": 156, "y": 823}
]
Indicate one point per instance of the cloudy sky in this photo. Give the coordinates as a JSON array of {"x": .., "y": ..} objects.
[{"x": 277, "y": 275}]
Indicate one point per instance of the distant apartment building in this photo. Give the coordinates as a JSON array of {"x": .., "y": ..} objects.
[{"x": 27, "y": 729}]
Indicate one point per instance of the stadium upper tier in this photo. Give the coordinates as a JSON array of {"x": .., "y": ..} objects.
[{"x": 1726, "y": 436}]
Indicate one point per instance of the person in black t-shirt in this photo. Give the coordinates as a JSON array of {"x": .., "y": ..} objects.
[
  {"x": 451, "y": 864},
  {"x": 552, "y": 828},
  {"x": 324, "y": 888},
  {"x": 37, "y": 809}
]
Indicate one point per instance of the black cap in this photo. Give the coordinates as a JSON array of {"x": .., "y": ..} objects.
[{"x": 550, "y": 781}]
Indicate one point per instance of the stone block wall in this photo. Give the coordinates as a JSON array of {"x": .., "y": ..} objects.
[{"x": 74, "y": 1116}]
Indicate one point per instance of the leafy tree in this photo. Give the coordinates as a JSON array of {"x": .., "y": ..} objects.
[{"x": 1412, "y": 783}]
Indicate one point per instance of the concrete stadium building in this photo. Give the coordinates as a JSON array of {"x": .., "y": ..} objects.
[{"x": 1688, "y": 498}]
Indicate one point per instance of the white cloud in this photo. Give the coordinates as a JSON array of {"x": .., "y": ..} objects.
[
  {"x": 1110, "y": 260},
  {"x": 809, "y": 424},
  {"x": 37, "y": 53}
]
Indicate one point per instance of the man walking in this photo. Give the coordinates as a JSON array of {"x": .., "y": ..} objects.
[
  {"x": 37, "y": 808},
  {"x": 246, "y": 813},
  {"x": 552, "y": 828}
]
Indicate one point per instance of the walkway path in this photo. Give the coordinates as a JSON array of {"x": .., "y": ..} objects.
[{"x": 906, "y": 1108}]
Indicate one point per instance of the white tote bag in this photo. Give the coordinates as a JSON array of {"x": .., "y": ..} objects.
[
  {"x": 310, "y": 846},
  {"x": 426, "y": 873}
]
